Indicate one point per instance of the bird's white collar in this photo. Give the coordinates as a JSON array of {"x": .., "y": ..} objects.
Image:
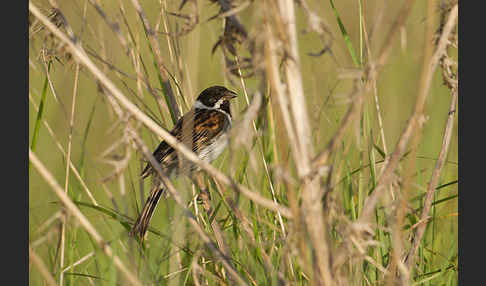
[{"x": 217, "y": 105}]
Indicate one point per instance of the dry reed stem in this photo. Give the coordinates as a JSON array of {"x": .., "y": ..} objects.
[
  {"x": 45, "y": 225},
  {"x": 196, "y": 269},
  {"x": 79, "y": 53},
  {"x": 218, "y": 233},
  {"x": 397, "y": 268},
  {"x": 413, "y": 123},
  {"x": 65, "y": 24},
  {"x": 248, "y": 228},
  {"x": 441, "y": 159},
  {"x": 397, "y": 25},
  {"x": 115, "y": 28},
  {"x": 272, "y": 71},
  {"x": 242, "y": 128},
  {"x": 73, "y": 209},
  {"x": 81, "y": 260},
  {"x": 277, "y": 91},
  {"x": 371, "y": 71},
  {"x": 318, "y": 25},
  {"x": 351, "y": 113},
  {"x": 224, "y": 253},
  {"x": 375, "y": 95},
  {"x": 265, "y": 165},
  {"x": 174, "y": 51},
  {"x": 68, "y": 160},
  {"x": 59, "y": 146},
  {"x": 175, "y": 110},
  {"x": 42, "y": 267},
  {"x": 295, "y": 90},
  {"x": 311, "y": 209},
  {"x": 173, "y": 48},
  {"x": 395, "y": 219},
  {"x": 178, "y": 199},
  {"x": 362, "y": 251},
  {"x": 51, "y": 86}
]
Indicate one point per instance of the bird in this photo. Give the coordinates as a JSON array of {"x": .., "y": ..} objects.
[{"x": 210, "y": 117}]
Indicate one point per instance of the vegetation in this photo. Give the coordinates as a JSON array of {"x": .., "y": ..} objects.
[{"x": 342, "y": 165}]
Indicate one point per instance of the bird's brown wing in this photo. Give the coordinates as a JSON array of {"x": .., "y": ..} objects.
[{"x": 206, "y": 126}]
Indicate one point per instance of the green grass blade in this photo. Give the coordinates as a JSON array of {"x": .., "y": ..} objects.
[
  {"x": 161, "y": 81},
  {"x": 346, "y": 38},
  {"x": 438, "y": 188},
  {"x": 440, "y": 201},
  {"x": 85, "y": 137},
  {"x": 123, "y": 220},
  {"x": 39, "y": 114}
]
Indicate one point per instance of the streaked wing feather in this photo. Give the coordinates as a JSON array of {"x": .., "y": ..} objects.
[{"x": 207, "y": 125}]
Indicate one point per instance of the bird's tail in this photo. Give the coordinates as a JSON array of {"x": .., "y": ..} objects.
[{"x": 141, "y": 225}]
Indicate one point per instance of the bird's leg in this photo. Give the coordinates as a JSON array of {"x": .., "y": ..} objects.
[{"x": 204, "y": 197}]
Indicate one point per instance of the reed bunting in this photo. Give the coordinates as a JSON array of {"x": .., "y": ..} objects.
[{"x": 210, "y": 119}]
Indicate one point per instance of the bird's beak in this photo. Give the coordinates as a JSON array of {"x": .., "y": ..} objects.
[{"x": 231, "y": 94}]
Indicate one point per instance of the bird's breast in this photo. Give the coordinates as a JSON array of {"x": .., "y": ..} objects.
[
  {"x": 217, "y": 145},
  {"x": 213, "y": 150}
]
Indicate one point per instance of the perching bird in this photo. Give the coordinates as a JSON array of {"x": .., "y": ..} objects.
[{"x": 210, "y": 118}]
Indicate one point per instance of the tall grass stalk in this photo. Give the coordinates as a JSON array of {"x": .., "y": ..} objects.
[{"x": 335, "y": 173}]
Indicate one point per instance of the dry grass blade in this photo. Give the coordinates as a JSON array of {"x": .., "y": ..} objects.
[
  {"x": 413, "y": 123},
  {"x": 83, "y": 259},
  {"x": 218, "y": 233},
  {"x": 174, "y": 108},
  {"x": 79, "y": 53},
  {"x": 311, "y": 209},
  {"x": 371, "y": 73},
  {"x": 63, "y": 152},
  {"x": 177, "y": 197},
  {"x": 443, "y": 151},
  {"x": 252, "y": 110},
  {"x": 68, "y": 161},
  {"x": 73, "y": 209},
  {"x": 295, "y": 91},
  {"x": 42, "y": 267},
  {"x": 308, "y": 190}
]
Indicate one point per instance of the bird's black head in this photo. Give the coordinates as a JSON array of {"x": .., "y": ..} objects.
[{"x": 216, "y": 96}]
